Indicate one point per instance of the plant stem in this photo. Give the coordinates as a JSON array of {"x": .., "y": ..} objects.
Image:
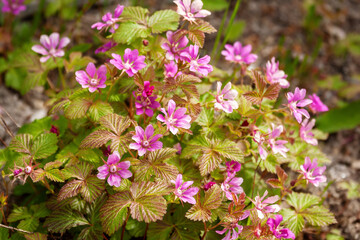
[
  {"x": 124, "y": 225},
  {"x": 62, "y": 79},
  {"x": 205, "y": 231},
  {"x": 231, "y": 21},
  {"x": 3, "y": 214},
  {"x": 218, "y": 36},
  {"x": 146, "y": 229},
  {"x": 16, "y": 229},
  {"x": 253, "y": 186}
]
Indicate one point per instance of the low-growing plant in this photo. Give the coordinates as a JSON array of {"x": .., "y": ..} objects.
[{"x": 157, "y": 143}]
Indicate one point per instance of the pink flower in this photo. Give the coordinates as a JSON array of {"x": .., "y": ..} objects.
[
  {"x": 312, "y": 173},
  {"x": 295, "y": 100},
  {"x": 191, "y": 10},
  {"x": 145, "y": 141},
  {"x": 174, "y": 48},
  {"x": 232, "y": 168},
  {"x": 171, "y": 70},
  {"x": 225, "y": 99},
  {"x": 114, "y": 170},
  {"x": 263, "y": 206},
  {"x": 275, "y": 75},
  {"x": 182, "y": 190},
  {"x": 277, "y": 146},
  {"x": 174, "y": 119},
  {"x": 178, "y": 148},
  {"x": 274, "y": 224},
  {"x": 106, "y": 47},
  {"x": 132, "y": 61},
  {"x": 232, "y": 185},
  {"x": 260, "y": 140},
  {"x": 239, "y": 54},
  {"x": 51, "y": 46},
  {"x": 305, "y": 132},
  {"x": 209, "y": 185},
  {"x": 144, "y": 102},
  {"x": 317, "y": 105},
  {"x": 109, "y": 20},
  {"x": 13, "y": 6},
  {"x": 148, "y": 89},
  {"x": 93, "y": 78},
  {"x": 233, "y": 229},
  {"x": 197, "y": 65}
]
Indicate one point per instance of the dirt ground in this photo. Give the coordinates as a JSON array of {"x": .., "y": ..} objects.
[{"x": 266, "y": 23}]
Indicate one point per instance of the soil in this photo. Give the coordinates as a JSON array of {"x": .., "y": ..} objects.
[{"x": 267, "y": 22}]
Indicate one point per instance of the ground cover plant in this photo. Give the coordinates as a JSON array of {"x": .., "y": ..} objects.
[{"x": 157, "y": 143}]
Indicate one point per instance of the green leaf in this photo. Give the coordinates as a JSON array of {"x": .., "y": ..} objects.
[
  {"x": 346, "y": 117},
  {"x": 203, "y": 26},
  {"x": 64, "y": 219},
  {"x": 136, "y": 14},
  {"x": 236, "y": 30},
  {"x": 92, "y": 188},
  {"x": 29, "y": 224},
  {"x": 197, "y": 37},
  {"x": 18, "y": 213},
  {"x": 295, "y": 222},
  {"x": 55, "y": 175},
  {"x": 99, "y": 109},
  {"x": 115, "y": 125},
  {"x": 215, "y": 5},
  {"x": 164, "y": 20},
  {"x": 35, "y": 236},
  {"x": 154, "y": 165},
  {"x": 114, "y": 211},
  {"x": 319, "y": 216},
  {"x": 77, "y": 108},
  {"x": 129, "y": 31},
  {"x": 301, "y": 201},
  {"x": 44, "y": 145},
  {"x": 4, "y": 233},
  {"x": 21, "y": 143},
  {"x": 269, "y": 163}
]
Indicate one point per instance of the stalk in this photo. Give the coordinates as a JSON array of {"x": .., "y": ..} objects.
[{"x": 218, "y": 36}]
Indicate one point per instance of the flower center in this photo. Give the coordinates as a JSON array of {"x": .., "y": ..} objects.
[
  {"x": 227, "y": 186},
  {"x": 94, "y": 82},
  {"x": 220, "y": 98},
  {"x": 195, "y": 64},
  {"x": 146, "y": 143},
  {"x": 113, "y": 168},
  {"x": 52, "y": 51},
  {"x": 127, "y": 65},
  {"x": 28, "y": 169},
  {"x": 171, "y": 120},
  {"x": 238, "y": 58},
  {"x": 179, "y": 191}
]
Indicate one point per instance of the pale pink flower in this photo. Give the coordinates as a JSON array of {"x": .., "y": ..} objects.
[
  {"x": 233, "y": 229},
  {"x": 279, "y": 233},
  {"x": 239, "y": 54},
  {"x": 114, "y": 170},
  {"x": 182, "y": 190},
  {"x": 197, "y": 65},
  {"x": 312, "y": 173},
  {"x": 51, "y": 46},
  {"x": 225, "y": 99},
  {"x": 13, "y": 6},
  {"x": 145, "y": 141},
  {"x": 174, "y": 48},
  {"x": 106, "y": 47},
  {"x": 277, "y": 146},
  {"x": 305, "y": 132},
  {"x": 132, "y": 61},
  {"x": 295, "y": 100},
  {"x": 92, "y": 78},
  {"x": 317, "y": 105},
  {"x": 191, "y": 10},
  {"x": 275, "y": 75},
  {"x": 260, "y": 140},
  {"x": 171, "y": 70},
  {"x": 266, "y": 206},
  {"x": 232, "y": 185},
  {"x": 109, "y": 20},
  {"x": 174, "y": 119}
]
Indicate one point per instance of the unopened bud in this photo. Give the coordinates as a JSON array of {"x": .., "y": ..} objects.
[
  {"x": 293, "y": 182},
  {"x": 145, "y": 42}
]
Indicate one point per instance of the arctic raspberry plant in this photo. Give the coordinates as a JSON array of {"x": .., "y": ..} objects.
[{"x": 153, "y": 141}]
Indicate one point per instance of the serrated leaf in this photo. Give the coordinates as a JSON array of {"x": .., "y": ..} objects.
[
  {"x": 198, "y": 213},
  {"x": 99, "y": 109},
  {"x": 185, "y": 83},
  {"x": 55, "y": 175},
  {"x": 212, "y": 197},
  {"x": 18, "y": 213},
  {"x": 70, "y": 189},
  {"x": 21, "y": 143},
  {"x": 30, "y": 224},
  {"x": 92, "y": 188},
  {"x": 318, "y": 216},
  {"x": 301, "y": 201},
  {"x": 197, "y": 37},
  {"x": 202, "y": 26},
  {"x": 44, "y": 145},
  {"x": 77, "y": 108},
  {"x": 136, "y": 14},
  {"x": 52, "y": 165},
  {"x": 116, "y": 125},
  {"x": 129, "y": 31},
  {"x": 164, "y": 20},
  {"x": 154, "y": 165},
  {"x": 64, "y": 219},
  {"x": 295, "y": 222},
  {"x": 36, "y": 236},
  {"x": 114, "y": 211}
]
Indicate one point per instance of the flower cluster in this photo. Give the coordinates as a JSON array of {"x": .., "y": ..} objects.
[
  {"x": 51, "y": 46},
  {"x": 13, "y": 6},
  {"x": 109, "y": 20}
]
